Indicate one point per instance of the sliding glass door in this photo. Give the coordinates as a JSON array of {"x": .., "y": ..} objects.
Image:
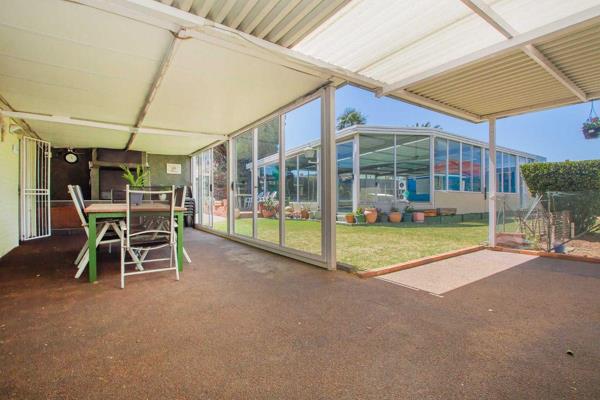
[{"x": 243, "y": 184}]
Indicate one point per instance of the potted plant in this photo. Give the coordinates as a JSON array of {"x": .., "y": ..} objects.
[
  {"x": 591, "y": 128},
  {"x": 408, "y": 212},
  {"x": 135, "y": 181},
  {"x": 349, "y": 218},
  {"x": 395, "y": 216},
  {"x": 359, "y": 216},
  {"x": 381, "y": 216},
  {"x": 370, "y": 215},
  {"x": 418, "y": 217},
  {"x": 268, "y": 208},
  {"x": 304, "y": 212}
]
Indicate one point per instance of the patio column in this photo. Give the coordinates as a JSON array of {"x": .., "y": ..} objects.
[
  {"x": 328, "y": 181},
  {"x": 492, "y": 183}
]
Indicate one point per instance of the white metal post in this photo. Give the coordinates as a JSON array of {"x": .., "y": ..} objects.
[
  {"x": 231, "y": 200},
  {"x": 356, "y": 172},
  {"x": 254, "y": 178},
  {"x": 492, "y": 183},
  {"x": 282, "y": 175},
  {"x": 328, "y": 181}
]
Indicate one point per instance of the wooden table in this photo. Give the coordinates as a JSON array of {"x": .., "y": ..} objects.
[{"x": 108, "y": 210}]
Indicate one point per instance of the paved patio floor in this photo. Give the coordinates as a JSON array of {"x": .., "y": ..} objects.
[
  {"x": 443, "y": 276},
  {"x": 245, "y": 324}
]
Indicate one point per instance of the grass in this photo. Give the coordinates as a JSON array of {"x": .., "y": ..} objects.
[{"x": 371, "y": 246}]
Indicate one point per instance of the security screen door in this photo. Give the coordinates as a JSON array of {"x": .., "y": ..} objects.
[{"x": 35, "y": 189}]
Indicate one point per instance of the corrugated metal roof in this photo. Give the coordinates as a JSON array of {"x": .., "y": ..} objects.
[{"x": 284, "y": 22}]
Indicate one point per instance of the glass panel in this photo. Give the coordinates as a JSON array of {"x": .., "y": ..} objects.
[
  {"x": 242, "y": 174},
  {"x": 505, "y": 173},
  {"x": 219, "y": 179},
  {"x": 453, "y": 165},
  {"x": 376, "y": 169},
  {"x": 267, "y": 193},
  {"x": 206, "y": 192},
  {"x": 344, "y": 176},
  {"x": 499, "y": 172},
  {"x": 476, "y": 169},
  {"x": 512, "y": 170},
  {"x": 467, "y": 167},
  {"x": 413, "y": 167},
  {"x": 302, "y": 199},
  {"x": 487, "y": 170},
  {"x": 440, "y": 165}
]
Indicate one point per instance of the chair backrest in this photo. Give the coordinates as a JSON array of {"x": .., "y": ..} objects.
[
  {"x": 77, "y": 197},
  {"x": 162, "y": 211}
]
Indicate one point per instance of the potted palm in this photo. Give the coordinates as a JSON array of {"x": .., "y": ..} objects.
[
  {"x": 394, "y": 216},
  {"x": 135, "y": 181}
]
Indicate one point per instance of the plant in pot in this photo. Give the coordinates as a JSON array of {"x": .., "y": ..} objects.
[
  {"x": 370, "y": 215},
  {"x": 359, "y": 216},
  {"x": 591, "y": 126},
  {"x": 304, "y": 212},
  {"x": 268, "y": 208},
  {"x": 408, "y": 214},
  {"x": 135, "y": 181},
  {"x": 395, "y": 216},
  {"x": 418, "y": 217},
  {"x": 349, "y": 218},
  {"x": 381, "y": 216}
]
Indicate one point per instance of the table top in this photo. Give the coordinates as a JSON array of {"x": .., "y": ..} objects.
[{"x": 122, "y": 208}]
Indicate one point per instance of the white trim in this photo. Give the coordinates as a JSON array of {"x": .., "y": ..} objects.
[
  {"x": 492, "y": 184},
  {"x": 328, "y": 178},
  {"x": 104, "y": 125}
]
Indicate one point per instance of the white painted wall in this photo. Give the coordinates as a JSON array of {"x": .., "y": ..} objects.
[{"x": 9, "y": 190}]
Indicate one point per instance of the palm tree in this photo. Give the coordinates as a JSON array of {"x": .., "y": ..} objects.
[{"x": 350, "y": 117}]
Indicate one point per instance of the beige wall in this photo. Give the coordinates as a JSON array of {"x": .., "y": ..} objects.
[
  {"x": 470, "y": 202},
  {"x": 9, "y": 198}
]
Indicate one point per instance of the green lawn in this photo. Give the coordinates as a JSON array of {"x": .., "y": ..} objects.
[{"x": 372, "y": 246}]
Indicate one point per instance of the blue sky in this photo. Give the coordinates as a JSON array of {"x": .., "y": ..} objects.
[{"x": 554, "y": 134}]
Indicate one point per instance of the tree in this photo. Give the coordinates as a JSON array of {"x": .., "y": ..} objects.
[
  {"x": 427, "y": 125},
  {"x": 350, "y": 117}
]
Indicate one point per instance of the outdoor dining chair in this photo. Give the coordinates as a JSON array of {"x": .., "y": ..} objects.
[
  {"x": 147, "y": 237},
  {"x": 103, "y": 236}
]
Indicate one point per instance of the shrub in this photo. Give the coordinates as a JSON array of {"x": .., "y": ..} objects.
[{"x": 567, "y": 176}]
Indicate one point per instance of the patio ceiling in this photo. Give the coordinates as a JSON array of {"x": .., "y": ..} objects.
[
  {"x": 173, "y": 76},
  {"x": 475, "y": 59}
]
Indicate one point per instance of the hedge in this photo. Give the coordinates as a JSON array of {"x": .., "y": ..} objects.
[{"x": 567, "y": 176}]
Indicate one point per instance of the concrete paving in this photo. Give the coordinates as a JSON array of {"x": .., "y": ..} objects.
[
  {"x": 443, "y": 276},
  {"x": 246, "y": 324}
]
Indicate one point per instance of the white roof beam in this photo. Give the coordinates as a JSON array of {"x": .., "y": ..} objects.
[
  {"x": 262, "y": 31},
  {"x": 205, "y": 9},
  {"x": 296, "y": 16},
  {"x": 227, "y": 6},
  {"x": 436, "y": 105},
  {"x": 495, "y": 20},
  {"x": 164, "y": 67},
  {"x": 266, "y": 9},
  {"x": 184, "y": 5},
  {"x": 105, "y": 125},
  {"x": 584, "y": 18}
]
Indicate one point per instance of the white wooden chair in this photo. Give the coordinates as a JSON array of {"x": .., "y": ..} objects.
[
  {"x": 83, "y": 257},
  {"x": 144, "y": 238},
  {"x": 180, "y": 194}
]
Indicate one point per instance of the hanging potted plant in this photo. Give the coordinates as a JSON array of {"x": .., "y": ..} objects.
[
  {"x": 591, "y": 127},
  {"x": 135, "y": 181}
]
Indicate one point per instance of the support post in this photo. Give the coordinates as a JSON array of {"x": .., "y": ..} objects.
[
  {"x": 356, "y": 172},
  {"x": 492, "y": 183},
  {"x": 328, "y": 181}
]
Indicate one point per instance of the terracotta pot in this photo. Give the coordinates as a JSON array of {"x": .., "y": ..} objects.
[
  {"x": 304, "y": 214},
  {"x": 267, "y": 213},
  {"x": 419, "y": 217},
  {"x": 371, "y": 215},
  {"x": 395, "y": 217},
  {"x": 349, "y": 219}
]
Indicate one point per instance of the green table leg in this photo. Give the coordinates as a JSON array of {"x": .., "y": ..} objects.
[
  {"x": 180, "y": 240},
  {"x": 92, "y": 248}
]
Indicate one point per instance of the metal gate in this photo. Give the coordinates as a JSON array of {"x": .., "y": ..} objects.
[{"x": 35, "y": 189}]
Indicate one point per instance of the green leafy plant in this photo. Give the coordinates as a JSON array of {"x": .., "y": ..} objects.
[
  {"x": 409, "y": 209},
  {"x": 591, "y": 128},
  {"x": 269, "y": 204},
  {"x": 359, "y": 211},
  {"x": 567, "y": 176},
  {"x": 394, "y": 209},
  {"x": 137, "y": 180}
]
